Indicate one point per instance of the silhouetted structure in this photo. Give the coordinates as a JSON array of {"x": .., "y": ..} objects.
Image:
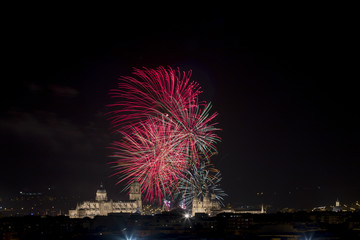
[{"x": 173, "y": 225}]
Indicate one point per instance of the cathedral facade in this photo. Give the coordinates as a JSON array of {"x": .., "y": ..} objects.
[
  {"x": 102, "y": 206},
  {"x": 208, "y": 205},
  {"x": 211, "y": 206}
]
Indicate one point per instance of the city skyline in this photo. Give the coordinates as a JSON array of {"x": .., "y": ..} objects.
[
  {"x": 285, "y": 95},
  {"x": 53, "y": 203}
]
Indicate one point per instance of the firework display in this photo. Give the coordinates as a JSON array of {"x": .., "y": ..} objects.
[
  {"x": 167, "y": 135},
  {"x": 200, "y": 181}
]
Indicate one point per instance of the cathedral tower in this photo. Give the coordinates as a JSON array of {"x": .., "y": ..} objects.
[
  {"x": 101, "y": 194},
  {"x": 135, "y": 194}
]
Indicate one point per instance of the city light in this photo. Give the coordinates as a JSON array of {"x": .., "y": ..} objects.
[
  {"x": 187, "y": 215},
  {"x": 130, "y": 237},
  {"x": 308, "y": 237}
]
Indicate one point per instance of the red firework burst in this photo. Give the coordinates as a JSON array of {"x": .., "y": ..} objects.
[
  {"x": 164, "y": 127},
  {"x": 152, "y": 156},
  {"x": 151, "y": 91}
]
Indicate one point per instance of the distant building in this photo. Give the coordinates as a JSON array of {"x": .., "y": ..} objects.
[
  {"x": 252, "y": 211},
  {"x": 32, "y": 203},
  {"x": 211, "y": 206},
  {"x": 208, "y": 205},
  {"x": 337, "y": 207},
  {"x": 319, "y": 209},
  {"x": 102, "y": 206}
]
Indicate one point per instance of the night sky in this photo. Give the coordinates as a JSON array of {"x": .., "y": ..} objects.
[{"x": 284, "y": 85}]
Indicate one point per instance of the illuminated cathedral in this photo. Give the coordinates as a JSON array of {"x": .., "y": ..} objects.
[
  {"x": 211, "y": 206},
  {"x": 102, "y": 206},
  {"x": 208, "y": 205}
]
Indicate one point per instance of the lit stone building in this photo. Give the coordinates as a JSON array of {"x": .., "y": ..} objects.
[
  {"x": 211, "y": 206},
  {"x": 102, "y": 206},
  {"x": 337, "y": 207},
  {"x": 208, "y": 205}
]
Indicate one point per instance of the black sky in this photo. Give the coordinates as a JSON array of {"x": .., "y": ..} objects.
[{"x": 283, "y": 82}]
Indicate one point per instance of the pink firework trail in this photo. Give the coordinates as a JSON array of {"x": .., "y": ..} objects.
[
  {"x": 151, "y": 91},
  {"x": 152, "y": 156},
  {"x": 165, "y": 130}
]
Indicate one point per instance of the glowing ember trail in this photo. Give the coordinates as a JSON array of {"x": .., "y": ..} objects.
[{"x": 167, "y": 134}]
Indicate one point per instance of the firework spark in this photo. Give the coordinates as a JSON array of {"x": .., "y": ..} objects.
[
  {"x": 200, "y": 181},
  {"x": 152, "y": 156},
  {"x": 166, "y": 131},
  {"x": 151, "y": 91}
]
